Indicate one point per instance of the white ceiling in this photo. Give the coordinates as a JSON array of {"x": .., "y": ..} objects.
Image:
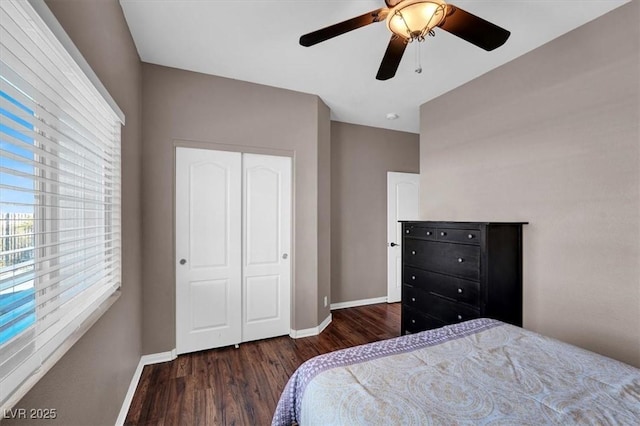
[{"x": 257, "y": 41}]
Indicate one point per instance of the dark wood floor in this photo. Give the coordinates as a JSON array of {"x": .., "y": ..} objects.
[{"x": 242, "y": 386}]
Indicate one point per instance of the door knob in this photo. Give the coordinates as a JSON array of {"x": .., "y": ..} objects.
[
  {"x": 284, "y": 256},
  {"x": 183, "y": 261},
  {"x": 393, "y": 244}
]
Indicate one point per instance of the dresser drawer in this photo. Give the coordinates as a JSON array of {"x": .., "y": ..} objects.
[
  {"x": 446, "y": 310},
  {"x": 414, "y": 322},
  {"x": 413, "y": 297},
  {"x": 455, "y": 288},
  {"x": 467, "y": 236},
  {"x": 419, "y": 232},
  {"x": 459, "y": 260}
]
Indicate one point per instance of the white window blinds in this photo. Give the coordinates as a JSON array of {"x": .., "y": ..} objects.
[{"x": 59, "y": 199}]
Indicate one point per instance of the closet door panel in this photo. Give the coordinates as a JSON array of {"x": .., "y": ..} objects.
[
  {"x": 209, "y": 187},
  {"x": 267, "y": 243},
  {"x": 208, "y": 249},
  {"x": 203, "y": 315},
  {"x": 262, "y": 188},
  {"x": 263, "y": 294}
]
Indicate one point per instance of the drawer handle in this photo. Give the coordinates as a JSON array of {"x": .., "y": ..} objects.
[
  {"x": 470, "y": 236},
  {"x": 413, "y": 277},
  {"x": 459, "y": 291},
  {"x": 459, "y": 317},
  {"x": 413, "y": 321},
  {"x": 460, "y": 260},
  {"x": 413, "y": 252},
  {"x": 442, "y": 234},
  {"x": 406, "y": 232},
  {"x": 413, "y": 299},
  {"x": 428, "y": 233}
]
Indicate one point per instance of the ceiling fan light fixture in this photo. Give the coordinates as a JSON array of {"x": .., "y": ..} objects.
[{"x": 414, "y": 19}]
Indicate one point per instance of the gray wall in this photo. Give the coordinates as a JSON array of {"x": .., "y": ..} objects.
[
  {"x": 361, "y": 156},
  {"x": 191, "y": 109},
  {"x": 87, "y": 386},
  {"x": 324, "y": 212},
  {"x": 552, "y": 138}
]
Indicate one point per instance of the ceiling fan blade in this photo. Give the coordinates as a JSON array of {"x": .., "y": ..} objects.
[
  {"x": 344, "y": 27},
  {"x": 473, "y": 29},
  {"x": 392, "y": 57}
]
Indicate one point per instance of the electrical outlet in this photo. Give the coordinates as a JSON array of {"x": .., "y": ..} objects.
[{"x": 325, "y": 301}]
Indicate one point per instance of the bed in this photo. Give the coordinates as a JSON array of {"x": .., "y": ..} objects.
[{"x": 477, "y": 372}]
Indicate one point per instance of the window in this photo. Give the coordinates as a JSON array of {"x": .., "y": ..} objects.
[
  {"x": 17, "y": 211},
  {"x": 60, "y": 232}
]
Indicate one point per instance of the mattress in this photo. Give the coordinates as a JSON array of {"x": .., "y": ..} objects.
[{"x": 480, "y": 372}]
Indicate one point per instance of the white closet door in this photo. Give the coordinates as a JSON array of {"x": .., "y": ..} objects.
[
  {"x": 266, "y": 246},
  {"x": 208, "y": 249}
]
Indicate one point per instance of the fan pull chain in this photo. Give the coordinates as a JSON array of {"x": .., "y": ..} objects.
[{"x": 418, "y": 69}]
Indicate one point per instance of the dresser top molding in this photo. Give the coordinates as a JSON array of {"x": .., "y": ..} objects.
[{"x": 449, "y": 223}]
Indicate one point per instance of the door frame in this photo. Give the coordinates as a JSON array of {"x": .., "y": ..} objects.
[{"x": 243, "y": 149}]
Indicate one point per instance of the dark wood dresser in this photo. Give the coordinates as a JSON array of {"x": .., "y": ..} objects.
[{"x": 457, "y": 271}]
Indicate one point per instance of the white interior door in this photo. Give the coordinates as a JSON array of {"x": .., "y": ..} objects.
[
  {"x": 403, "y": 195},
  {"x": 267, "y": 243},
  {"x": 208, "y": 249}
]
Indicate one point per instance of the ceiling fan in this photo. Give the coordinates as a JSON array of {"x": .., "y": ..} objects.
[{"x": 413, "y": 20}]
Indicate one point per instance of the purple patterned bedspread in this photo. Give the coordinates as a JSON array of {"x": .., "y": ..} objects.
[{"x": 288, "y": 409}]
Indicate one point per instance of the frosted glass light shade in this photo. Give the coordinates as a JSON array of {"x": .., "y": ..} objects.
[{"x": 413, "y": 19}]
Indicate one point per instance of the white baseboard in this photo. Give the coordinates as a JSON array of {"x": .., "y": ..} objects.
[
  {"x": 144, "y": 360},
  {"x": 361, "y": 302},
  {"x": 159, "y": 357},
  {"x": 308, "y": 332}
]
